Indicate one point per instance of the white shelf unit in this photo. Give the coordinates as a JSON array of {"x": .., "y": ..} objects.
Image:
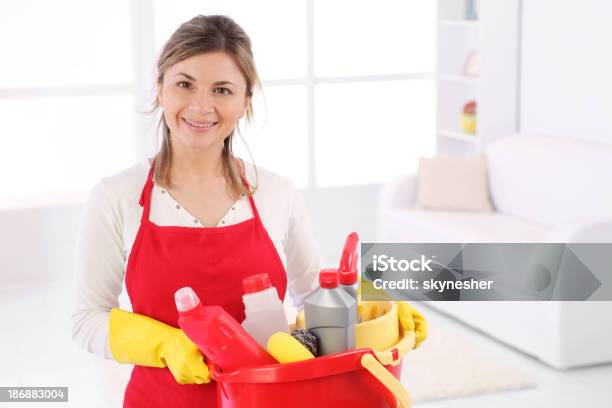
[
  {"x": 457, "y": 78},
  {"x": 494, "y": 35},
  {"x": 461, "y": 136}
]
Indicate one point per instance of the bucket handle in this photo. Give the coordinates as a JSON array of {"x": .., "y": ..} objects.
[{"x": 370, "y": 363}]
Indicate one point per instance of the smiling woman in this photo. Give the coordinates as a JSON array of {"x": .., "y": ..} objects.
[
  {"x": 205, "y": 81},
  {"x": 193, "y": 215}
]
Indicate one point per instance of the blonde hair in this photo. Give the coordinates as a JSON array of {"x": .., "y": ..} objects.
[{"x": 199, "y": 35}]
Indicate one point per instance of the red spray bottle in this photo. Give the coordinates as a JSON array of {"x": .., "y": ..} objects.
[{"x": 217, "y": 334}]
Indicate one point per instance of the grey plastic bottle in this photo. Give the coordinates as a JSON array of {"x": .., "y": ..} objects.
[
  {"x": 331, "y": 314},
  {"x": 349, "y": 284}
]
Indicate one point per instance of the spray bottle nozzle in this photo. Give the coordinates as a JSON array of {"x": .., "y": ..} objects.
[
  {"x": 186, "y": 299},
  {"x": 347, "y": 270}
]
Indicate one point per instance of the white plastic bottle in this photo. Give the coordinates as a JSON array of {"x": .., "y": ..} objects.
[{"x": 264, "y": 311}]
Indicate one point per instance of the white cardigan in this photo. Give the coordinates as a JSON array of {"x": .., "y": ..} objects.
[{"x": 111, "y": 220}]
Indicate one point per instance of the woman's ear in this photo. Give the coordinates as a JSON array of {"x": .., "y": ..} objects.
[{"x": 247, "y": 103}]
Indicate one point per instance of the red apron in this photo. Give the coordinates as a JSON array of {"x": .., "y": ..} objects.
[{"x": 213, "y": 261}]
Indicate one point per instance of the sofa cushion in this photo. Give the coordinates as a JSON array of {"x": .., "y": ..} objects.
[
  {"x": 418, "y": 225},
  {"x": 550, "y": 180},
  {"x": 453, "y": 183}
]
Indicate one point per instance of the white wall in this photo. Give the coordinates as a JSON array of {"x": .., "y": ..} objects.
[
  {"x": 38, "y": 243},
  {"x": 335, "y": 212},
  {"x": 566, "y": 76}
]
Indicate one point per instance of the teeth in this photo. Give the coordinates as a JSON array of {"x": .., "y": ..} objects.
[{"x": 203, "y": 125}]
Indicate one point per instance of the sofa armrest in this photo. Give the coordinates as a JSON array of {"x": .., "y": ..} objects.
[
  {"x": 397, "y": 193},
  {"x": 591, "y": 229}
]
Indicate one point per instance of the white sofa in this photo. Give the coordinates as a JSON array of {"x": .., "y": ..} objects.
[{"x": 544, "y": 189}]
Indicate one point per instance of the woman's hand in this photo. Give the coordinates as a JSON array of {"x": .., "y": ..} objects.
[
  {"x": 141, "y": 340},
  {"x": 184, "y": 359},
  {"x": 411, "y": 319}
]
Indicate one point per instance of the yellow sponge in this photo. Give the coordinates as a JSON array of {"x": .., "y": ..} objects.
[{"x": 285, "y": 349}]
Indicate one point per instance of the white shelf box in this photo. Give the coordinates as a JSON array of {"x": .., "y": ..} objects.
[
  {"x": 452, "y": 97},
  {"x": 454, "y": 46}
]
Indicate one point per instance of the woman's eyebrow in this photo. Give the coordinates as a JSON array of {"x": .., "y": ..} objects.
[
  {"x": 189, "y": 77},
  {"x": 218, "y": 83},
  {"x": 224, "y": 83}
]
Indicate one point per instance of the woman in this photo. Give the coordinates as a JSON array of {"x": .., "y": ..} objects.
[{"x": 193, "y": 216}]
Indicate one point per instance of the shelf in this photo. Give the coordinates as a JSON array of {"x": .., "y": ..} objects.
[
  {"x": 492, "y": 30},
  {"x": 452, "y": 134},
  {"x": 458, "y": 78},
  {"x": 458, "y": 23}
]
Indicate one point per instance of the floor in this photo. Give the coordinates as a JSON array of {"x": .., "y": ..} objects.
[
  {"x": 36, "y": 350},
  {"x": 583, "y": 387}
]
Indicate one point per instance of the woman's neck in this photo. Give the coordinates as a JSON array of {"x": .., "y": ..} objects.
[{"x": 197, "y": 166}]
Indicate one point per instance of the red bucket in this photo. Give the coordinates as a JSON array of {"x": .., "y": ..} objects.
[{"x": 360, "y": 378}]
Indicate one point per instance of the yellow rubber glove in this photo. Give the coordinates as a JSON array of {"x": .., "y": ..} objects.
[
  {"x": 141, "y": 340},
  {"x": 411, "y": 319}
]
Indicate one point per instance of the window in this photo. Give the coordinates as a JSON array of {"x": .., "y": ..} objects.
[
  {"x": 366, "y": 132},
  {"x": 65, "y": 94},
  {"x": 374, "y": 99},
  {"x": 373, "y": 38},
  {"x": 348, "y": 92}
]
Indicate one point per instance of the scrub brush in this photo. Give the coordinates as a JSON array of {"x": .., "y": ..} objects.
[{"x": 307, "y": 339}]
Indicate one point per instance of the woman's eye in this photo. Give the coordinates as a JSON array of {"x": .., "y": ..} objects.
[
  {"x": 224, "y": 91},
  {"x": 183, "y": 84}
]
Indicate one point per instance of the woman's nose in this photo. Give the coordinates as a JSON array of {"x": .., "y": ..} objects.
[{"x": 204, "y": 102}]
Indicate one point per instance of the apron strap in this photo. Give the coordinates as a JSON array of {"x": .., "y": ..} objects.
[
  {"x": 251, "y": 200},
  {"x": 145, "y": 195},
  {"x": 248, "y": 188}
]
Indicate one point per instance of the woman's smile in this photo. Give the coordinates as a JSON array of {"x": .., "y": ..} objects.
[{"x": 199, "y": 126}]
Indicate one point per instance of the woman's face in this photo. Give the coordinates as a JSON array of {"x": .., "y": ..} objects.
[{"x": 202, "y": 98}]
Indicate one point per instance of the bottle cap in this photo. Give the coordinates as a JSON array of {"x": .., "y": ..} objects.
[
  {"x": 328, "y": 278},
  {"x": 256, "y": 283},
  {"x": 186, "y": 299}
]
